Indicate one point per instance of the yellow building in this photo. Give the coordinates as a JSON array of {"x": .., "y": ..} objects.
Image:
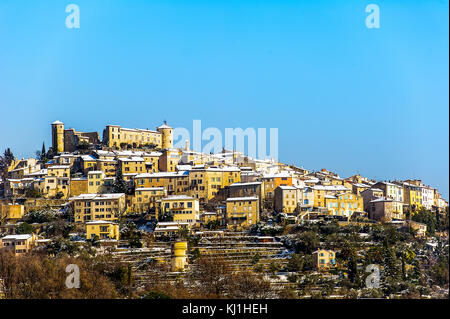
[
  {"x": 108, "y": 166},
  {"x": 19, "y": 244},
  {"x": 132, "y": 165},
  {"x": 412, "y": 196},
  {"x": 344, "y": 204},
  {"x": 169, "y": 160},
  {"x": 272, "y": 181},
  {"x": 166, "y": 136},
  {"x": 320, "y": 191},
  {"x": 64, "y": 159},
  {"x": 95, "y": 181},
  {"x": 88, "y": 163},
  {"x": 102, "y": 229},
  {"x": 90, "y": 207},
  {"x": 183, "y": 208},
  {"x": 324, "y": 259},
  {"x": 170, "y": 229},
  {"x": 68, "y": 140},
  {"x": 174, "y": 182},
  {"x": 207, "y": 217},
  {"x": 116, "y": 136},
  {"x": 11, "y": 212},
  {"x": 145, "y": 198},
  {"x": 420, "y": 228},
  {"x": 242, "y": 211},
  {"x": 358, "y": 188},
  {"x": 286, "y": 199},
  {"x": 51, "y": 187},
  {"x": 205, "y": 182},
  {"x": 58, "y": 137},
  {"x": 58, "y": 171},
  {"x": 78, "y": 186},
  {"x": 152, "y": 161}
]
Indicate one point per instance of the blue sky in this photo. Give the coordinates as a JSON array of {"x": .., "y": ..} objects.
[{"x": 344, "y": 97}]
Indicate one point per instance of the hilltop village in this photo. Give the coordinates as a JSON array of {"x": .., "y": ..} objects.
[{"x": 170, "y": 222}]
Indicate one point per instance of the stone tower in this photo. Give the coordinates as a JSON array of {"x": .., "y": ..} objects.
[
  {"x": 58, "y": 136},
  {"x": 179, "y": 257},
  {"x": 167, "y": 136}
]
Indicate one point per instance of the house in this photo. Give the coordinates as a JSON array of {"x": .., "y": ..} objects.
[
  {"x": 272, "y": 181},
  {"x": 381, "y": 209},
  {"x": 145, "y": 199},
  {"x": 182, "y": 207},
  {"x": 176, "y": 183},
  {"x": 90, "y": 207},
  {"x": 343, "y": 204},
  {"x": 170, "y": 229},
  {"x": 419, "y": 227},
  {"x": 242, "y": 211},
  {"x": 286, "y": 199},
  {"x": 11, "y": 212},
  {"x": 18, "y": 244},
  {"x": 245, "y": 189},
  {"x": 206, "y": 181},
  {"x": 324, "y": 259},
  {"x": 102, "y": 229},
  {"x": 369, "y": 195}
]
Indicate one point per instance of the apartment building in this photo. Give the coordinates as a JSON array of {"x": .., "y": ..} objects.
[
  {"x": 145, "y": 198},
  {"x": 90, "y": 207},
  {"x": 205, "y": 181},
  {"x": 183, "y": 208},
  {"x": 242, "y": 212},
  {"x": 344, "y": 204}
]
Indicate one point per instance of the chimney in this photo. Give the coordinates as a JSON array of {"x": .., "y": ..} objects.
[{"x": 187, "y": 145}]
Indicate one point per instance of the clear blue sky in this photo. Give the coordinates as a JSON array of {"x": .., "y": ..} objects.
[{"x": 344, "y": 97}]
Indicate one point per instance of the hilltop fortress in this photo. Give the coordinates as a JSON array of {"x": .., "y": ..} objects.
[{"x": 114, "y": 136}]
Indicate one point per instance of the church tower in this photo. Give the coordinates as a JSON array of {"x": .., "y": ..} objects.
[
  {"x": 58, "y": 137},
  {"x": 167, "y": 136}
]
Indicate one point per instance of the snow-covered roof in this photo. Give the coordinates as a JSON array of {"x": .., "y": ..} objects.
[
  {"x": 287, "y": 187},
  {"x": 233, "y": 199},
  {"x": 17, "y": 237},
  {"x": 245, "y": 184},
  {"x": 382, "y": 199},
  {"x": 361, "y": 185},
  {"x": 177, "y": 197},
  {"x": 95, "y": 172},
  {"x": 330, "y": 188},
  {"x": 97, "y": 196},
  {"x": 98, "y": 222},
  {"x": 164, "y": 126},
  {"x": 150, "y": 189},
  {"x": 132, "y": 159},
  {"x": 59, "y": 167}
]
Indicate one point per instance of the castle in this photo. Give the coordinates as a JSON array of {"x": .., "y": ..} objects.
[{"x": 114, "y": 136}]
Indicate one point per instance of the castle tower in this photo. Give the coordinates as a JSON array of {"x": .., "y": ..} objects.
[
  {"x": 179, "y": 256},
  {"x": 167, "y": 136},
  {"x": 58, "y": 136}
]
